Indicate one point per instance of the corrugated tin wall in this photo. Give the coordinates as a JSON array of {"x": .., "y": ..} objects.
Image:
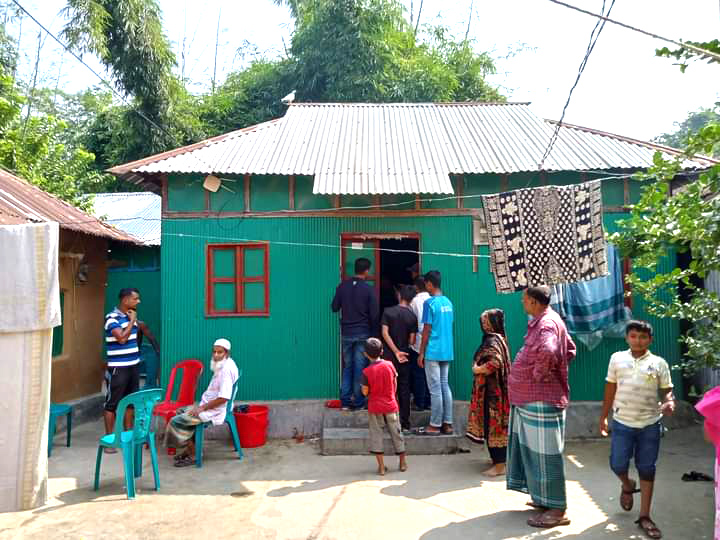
[
  {"x": 294, "y": 353},
  {"x": 709, "y": 378},
  {"x": 141, "y": 270}
]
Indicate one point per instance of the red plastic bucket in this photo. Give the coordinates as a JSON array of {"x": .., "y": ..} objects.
[{"x": 252, "y": 426}]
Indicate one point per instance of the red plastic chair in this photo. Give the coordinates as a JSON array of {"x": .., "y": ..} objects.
[{"x": 191, "y": 371}]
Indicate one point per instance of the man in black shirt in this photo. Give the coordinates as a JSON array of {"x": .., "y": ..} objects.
[
  {"x": 399, "y": 325},
  {"x": 358, "y": 321}
]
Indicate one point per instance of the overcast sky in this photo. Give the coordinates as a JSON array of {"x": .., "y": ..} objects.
[{"x": 625, "y": 89}]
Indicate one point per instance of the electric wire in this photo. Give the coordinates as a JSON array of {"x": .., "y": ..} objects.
[{"x": 594, "y": 35}]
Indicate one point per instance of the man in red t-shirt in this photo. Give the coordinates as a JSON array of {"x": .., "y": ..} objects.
[{"x": 379, "y": 384}]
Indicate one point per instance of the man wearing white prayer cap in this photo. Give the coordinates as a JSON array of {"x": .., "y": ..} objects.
[{"x": 212, "y": 407}]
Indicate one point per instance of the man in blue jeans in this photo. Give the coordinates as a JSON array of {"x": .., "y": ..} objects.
[
  {"x": 436, "y": 353},
  {"x": 358, "y": 304},
  {"x": 639, "y": 392}
]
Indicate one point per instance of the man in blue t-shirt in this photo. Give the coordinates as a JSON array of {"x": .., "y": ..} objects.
[
  {"x": 436, "y": 353},
  {"x": 123, "y": 356}
]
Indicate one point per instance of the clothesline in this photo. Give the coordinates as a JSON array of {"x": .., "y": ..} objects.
[{"x": 321, "y": 245}]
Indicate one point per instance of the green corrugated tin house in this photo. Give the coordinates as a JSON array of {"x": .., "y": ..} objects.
[{"x": 258, "y": 258}]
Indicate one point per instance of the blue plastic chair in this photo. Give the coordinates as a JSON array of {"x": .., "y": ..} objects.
[
  {"x": 131, "y": 442},
  {"x": 56, "y": 411},
  {"x": 229, "y": 420}
]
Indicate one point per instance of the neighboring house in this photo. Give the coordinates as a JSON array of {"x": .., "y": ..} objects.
[
  {"x": 130, "y": 265},
  {"x": 257, "y": 260},
  {"x": 77, "y": 349}
]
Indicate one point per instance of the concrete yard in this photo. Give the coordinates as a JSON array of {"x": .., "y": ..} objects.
[{"x": 286, "y": 490}]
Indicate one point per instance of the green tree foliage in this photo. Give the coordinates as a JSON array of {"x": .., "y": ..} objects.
[
  {"x": 128, "y": 39},
  {"x": 684, "y": 55},
  {"x": 364, "y": 50},
  {"x": 682, "y": 221},
  {"x": 247, "y": 97},
  {"x": 40, "y": 148},
  {"x": 352, "y": 51},
  {"x": 690, "y": 126}
]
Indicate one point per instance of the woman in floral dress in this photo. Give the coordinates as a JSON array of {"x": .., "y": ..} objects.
[{"x": 490, "y": 405}]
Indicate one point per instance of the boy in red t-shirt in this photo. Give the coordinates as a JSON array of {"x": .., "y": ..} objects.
[{"x": 379, "y": 383}]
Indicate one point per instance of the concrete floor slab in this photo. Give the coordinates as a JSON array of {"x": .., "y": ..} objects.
[{"x": 288, "y": 491}]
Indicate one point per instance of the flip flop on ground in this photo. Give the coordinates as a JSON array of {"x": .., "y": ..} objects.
[
  {"x": 626, "y": 497},
  {"x": 547, "y": 520},
  {"x": 185, "y": 461},
  {"x": 648, "y": 527},
  {"x": 426, "y": 431}
]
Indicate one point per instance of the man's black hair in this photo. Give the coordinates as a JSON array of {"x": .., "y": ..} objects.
[
  {"x": 639, "y": 326},
  {"x": 541, "y": 293},
  {"x": 362, "y": 265},
  {"x": 127, "y": 292},
  {"x": 433, "y": 276},
  {"x": 373, "y": 347},
  {"x": 420, "y": 283},
  {"x": 407, "y": 293}
]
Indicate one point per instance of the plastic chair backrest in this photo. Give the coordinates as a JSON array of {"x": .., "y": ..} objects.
[
  {"x": 143, "y": 403},
  {"x": 191, "y": 371},
  {"x": 236, "y": 386}
]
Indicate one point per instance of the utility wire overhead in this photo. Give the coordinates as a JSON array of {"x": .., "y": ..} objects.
[
  {"x": 698, "y": 50},
  {"x": 594, "y": 35},
  {"x": 100, "y": 77}
]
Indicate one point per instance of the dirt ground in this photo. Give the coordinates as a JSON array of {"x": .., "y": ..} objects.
[{"x": 286, "y": 490}]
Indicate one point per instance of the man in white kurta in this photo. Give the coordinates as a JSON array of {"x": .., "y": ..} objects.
[{"x": 212, "y": 406}]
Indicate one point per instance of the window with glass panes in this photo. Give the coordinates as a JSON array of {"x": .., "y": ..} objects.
[{"x": 237, "y": 280}]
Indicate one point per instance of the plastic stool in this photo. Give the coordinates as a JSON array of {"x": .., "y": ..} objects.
[{"x": 57, "y": 410}]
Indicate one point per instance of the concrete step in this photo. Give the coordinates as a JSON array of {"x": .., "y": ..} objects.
[
  {"x": 336, "y": 418},
  {"x": 355, "y": 441}
]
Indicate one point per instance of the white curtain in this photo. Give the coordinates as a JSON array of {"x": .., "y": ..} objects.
[{"x": 29, "y": 309}]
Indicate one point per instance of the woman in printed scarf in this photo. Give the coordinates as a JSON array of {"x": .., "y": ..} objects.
[{"x": 490, "y": 405}]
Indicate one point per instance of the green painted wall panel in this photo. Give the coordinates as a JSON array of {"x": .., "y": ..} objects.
[
  {"x": 304, "y": 198},
  {"x": 398, "y": 202},
  {"x": 185, "y": 193},
  {"x": 354, "y": 201},
  {"x": 269, "y": 193},
  {"x": 479, "y": 184},
  {"x": 230, "y": 198}
]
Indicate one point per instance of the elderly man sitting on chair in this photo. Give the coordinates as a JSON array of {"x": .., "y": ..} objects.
[{"x": 212, "y": 407}]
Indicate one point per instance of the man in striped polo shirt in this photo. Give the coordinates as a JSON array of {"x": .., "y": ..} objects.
[
  {"x": 123, "y": 355},
  {"x": 639, "y": 391}
]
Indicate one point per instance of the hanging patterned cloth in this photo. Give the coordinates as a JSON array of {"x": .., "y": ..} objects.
[{"x": 546, "y": 236}]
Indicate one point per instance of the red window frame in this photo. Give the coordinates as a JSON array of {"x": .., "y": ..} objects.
[{"x": 239, "y": 280}]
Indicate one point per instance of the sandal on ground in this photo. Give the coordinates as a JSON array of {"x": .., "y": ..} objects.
[
  {"x": 648, "y": 527},
  {"x": 185, "y": 461},
  {"x": 425, "y": 431},
  {"x": 446, "y": 429},
  {"x": 626, "y": 497},
  {"x": 694, "y": 476},
  {"x": 545, "y": 521}
]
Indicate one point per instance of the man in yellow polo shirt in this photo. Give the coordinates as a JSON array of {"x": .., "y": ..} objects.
[{"x": 639, "y": 390}]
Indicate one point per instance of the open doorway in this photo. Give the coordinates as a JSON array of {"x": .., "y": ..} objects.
[
  {"x": 390, "y": 256},
  {"x": 395, "y": 266}
]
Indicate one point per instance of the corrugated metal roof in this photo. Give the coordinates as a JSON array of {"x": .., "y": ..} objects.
[
  {"x": 138, "y": 214},
  {"x": 362, "y": 148},
  {"x": 22, "y": 202}
]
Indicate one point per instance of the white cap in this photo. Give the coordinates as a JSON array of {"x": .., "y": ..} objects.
[{"x": 222, "y": 342}]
